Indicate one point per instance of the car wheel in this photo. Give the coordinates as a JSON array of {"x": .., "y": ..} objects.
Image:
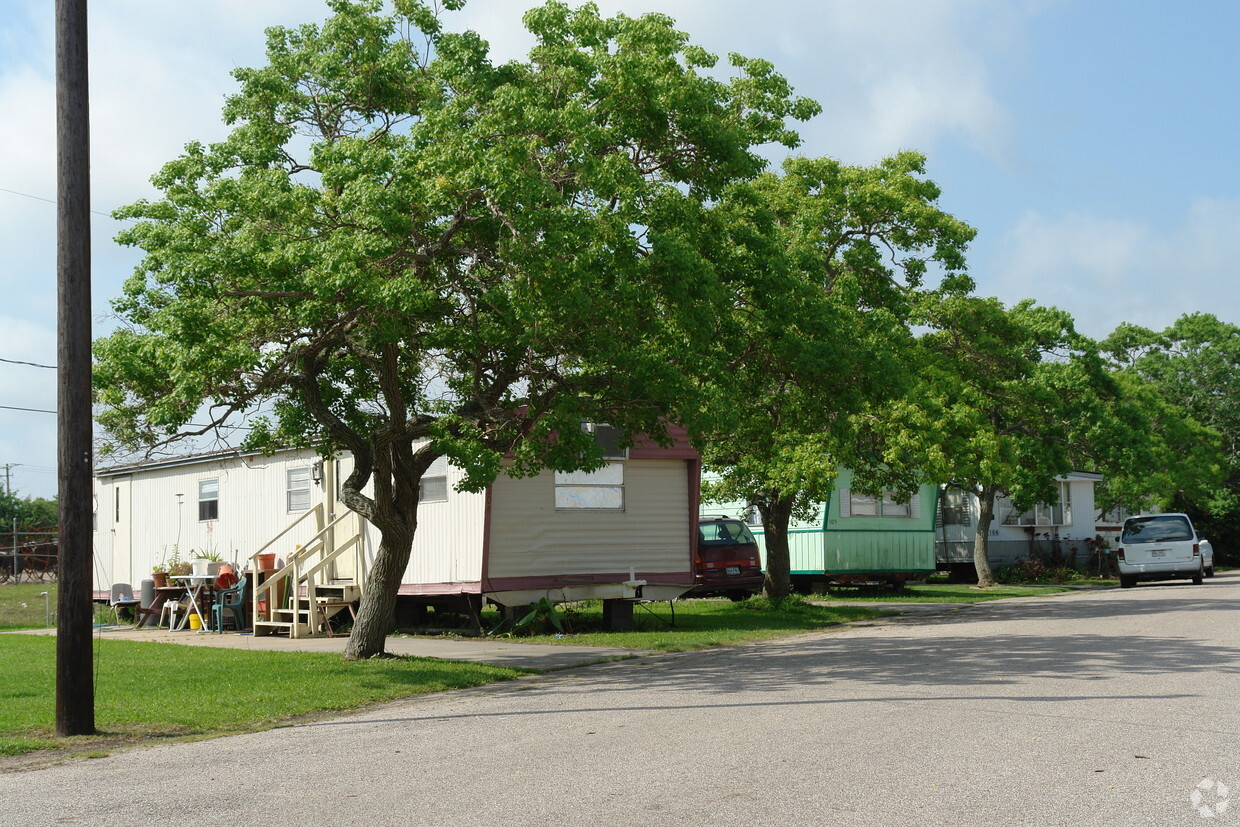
[
  {"x": 1210, "y": 571},
  {"x": 1198, "y": 577},
  {"x": 1127, "y": 581}
]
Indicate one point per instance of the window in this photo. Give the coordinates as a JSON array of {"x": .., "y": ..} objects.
[
  {"x": 1044, "y": 514},
  {"x": 600, "y": 490},
  {"x": 208, "y": 500},
  {"x": 894, "y": 508},
  {"x": 856, "y": 504},
  {"x": 298, "y": 490},
  {"x": 955, "y": 507},
  {"x": 724, "y": 533},
  {"x": 861, "y": 505},
  {"x": 608, "y": 439},
  {"x": 1158, "y": 528},
  {"x": 433, "y": 487}
]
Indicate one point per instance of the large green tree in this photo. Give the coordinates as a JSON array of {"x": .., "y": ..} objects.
[
  {"x": 1009, "y": 399},
  {"x": 404, "y": 251},
  {"x": 1192, "y": 367},
  {"x": 849, "y": 248}
]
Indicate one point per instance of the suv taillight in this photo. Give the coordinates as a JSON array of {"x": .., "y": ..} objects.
[
  {"x": 1119, "y": 553},
  {"x": 1196, "y": 550}
]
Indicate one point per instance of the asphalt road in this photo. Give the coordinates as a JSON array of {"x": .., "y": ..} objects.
[{"x": 1106, "y": 707}]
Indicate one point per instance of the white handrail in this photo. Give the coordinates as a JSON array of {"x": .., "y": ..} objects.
[{"x": 292, "y": 569}]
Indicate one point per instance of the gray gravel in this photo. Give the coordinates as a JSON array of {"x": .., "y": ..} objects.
[{"x": 1106, "y": 707}]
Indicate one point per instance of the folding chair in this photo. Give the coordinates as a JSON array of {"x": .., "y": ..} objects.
[{"x": 122, "y": 598}]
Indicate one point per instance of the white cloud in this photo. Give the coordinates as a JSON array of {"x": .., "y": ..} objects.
[
  {"x": 891, "y": 74},
  {"x": 1106, "y": 271}
]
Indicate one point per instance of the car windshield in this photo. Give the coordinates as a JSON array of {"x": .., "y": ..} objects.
[
  {"x": 1161, "y": 529},
  {"x": 724, "y": 532}
]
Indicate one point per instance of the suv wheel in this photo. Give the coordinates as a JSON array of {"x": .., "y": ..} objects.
[
  {"x": 1127, "y": 581},
  {"x": 1197, "y": 577}
]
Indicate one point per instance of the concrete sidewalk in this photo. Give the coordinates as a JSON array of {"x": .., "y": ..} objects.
[{"x": 498, "y": 653}]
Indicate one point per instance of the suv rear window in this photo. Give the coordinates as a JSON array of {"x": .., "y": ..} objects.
[
  {"x": 724, "y": 532},
  {"x": 1160, "y": 529}
]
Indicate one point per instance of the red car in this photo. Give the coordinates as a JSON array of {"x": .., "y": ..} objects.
[{"x": 726, "y": 561}]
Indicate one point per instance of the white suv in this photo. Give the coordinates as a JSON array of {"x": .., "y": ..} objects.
[{"x": 1160, "y": 547}]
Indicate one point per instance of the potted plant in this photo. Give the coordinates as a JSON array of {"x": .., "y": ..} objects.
[
  {"x": 207, "y": 562},
  {"x": 180, "y": 567},
  {"x": 169, "y": 565}
]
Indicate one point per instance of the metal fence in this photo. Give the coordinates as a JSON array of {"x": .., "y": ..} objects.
[{"x": 28, "y": 555}]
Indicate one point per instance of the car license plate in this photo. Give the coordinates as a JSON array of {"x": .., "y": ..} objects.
[
  {"x": 734, "y": 570},
  {"x": 1158, "y": 552}
]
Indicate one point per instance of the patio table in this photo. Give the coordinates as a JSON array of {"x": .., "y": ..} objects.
[
  {"x": 197, "y": 586},
  {"x": 162, "y": 595}
]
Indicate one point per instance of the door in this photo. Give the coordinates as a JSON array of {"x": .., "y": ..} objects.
[{"x": 121, "y": 513}]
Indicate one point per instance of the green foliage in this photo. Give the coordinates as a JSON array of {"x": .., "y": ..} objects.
[
  {"x": 1038, "y": 571},
  {"x": 30, "y": 512},
  {"x": 1007, "y": 400},
  {"x": 822, "y": 337},
  {"x": 404, "y": 251},
  {"x": 541, "y": 615},
  {"x": 1189, "y": 378}
]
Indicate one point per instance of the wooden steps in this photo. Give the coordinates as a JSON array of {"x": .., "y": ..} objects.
[{"x": 331, "y": 599}]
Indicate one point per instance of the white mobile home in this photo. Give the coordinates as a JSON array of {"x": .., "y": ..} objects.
[
  {"x": 1063, "y": 530},
  {"x": 625, "y": 532}
]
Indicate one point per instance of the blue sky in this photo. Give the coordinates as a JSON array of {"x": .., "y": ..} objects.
[{"x": 1090, "y": 142}]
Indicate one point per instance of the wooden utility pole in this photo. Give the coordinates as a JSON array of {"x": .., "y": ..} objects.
[{"x": 75, "y": 692}]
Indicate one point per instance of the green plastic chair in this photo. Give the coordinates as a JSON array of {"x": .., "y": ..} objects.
[{"x": 229, "y": 601}]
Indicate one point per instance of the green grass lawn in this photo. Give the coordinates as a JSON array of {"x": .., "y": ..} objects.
[
  {"x": 163, "y": 690},
  {"x": 936, "y": 593},
  {"x": 699, "y": 624},
  {"x": 151, "y": 690},
  {"x": 23, "y": 607}
]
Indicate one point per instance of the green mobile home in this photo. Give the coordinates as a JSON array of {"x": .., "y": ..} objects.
[{"x": 859, "y": 538}]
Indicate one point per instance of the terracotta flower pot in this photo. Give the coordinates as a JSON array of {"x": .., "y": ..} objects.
[{"x": 160, "y": 578}]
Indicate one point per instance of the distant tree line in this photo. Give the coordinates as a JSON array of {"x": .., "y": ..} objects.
[{"x": 30, "y": 512}]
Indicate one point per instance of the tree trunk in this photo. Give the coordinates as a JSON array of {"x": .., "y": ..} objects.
[
  {"x": 376, "y": 612},
  {"x": 981, "y": 539},
  {"x": 775, "y": 518}
]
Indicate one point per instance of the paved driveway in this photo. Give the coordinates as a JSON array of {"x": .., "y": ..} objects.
[{"x": 1092, "y": 708}]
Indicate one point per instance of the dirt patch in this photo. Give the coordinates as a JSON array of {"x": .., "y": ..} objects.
[{"x": 95, "y": 747}]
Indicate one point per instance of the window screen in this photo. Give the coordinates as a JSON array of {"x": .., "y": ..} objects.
[
  {"x": 601, "y": 489},
  {"x": 433, "y": 487},
  {"x": 298, "y": 490},
  {"x": 208, "y": 500}
]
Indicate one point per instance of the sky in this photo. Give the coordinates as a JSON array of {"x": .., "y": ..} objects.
[{"x": 1092, "y": 143}]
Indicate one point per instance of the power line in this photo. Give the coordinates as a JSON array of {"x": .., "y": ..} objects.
[
  {"x": 220, "y": 426},
  {"x": 32, "y": 410},
  {"x": 48, "y": 200},
  {"x": 31, "y": 364}
]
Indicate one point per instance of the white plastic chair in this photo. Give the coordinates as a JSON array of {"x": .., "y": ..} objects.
[{"x": 170, "y": 609}]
